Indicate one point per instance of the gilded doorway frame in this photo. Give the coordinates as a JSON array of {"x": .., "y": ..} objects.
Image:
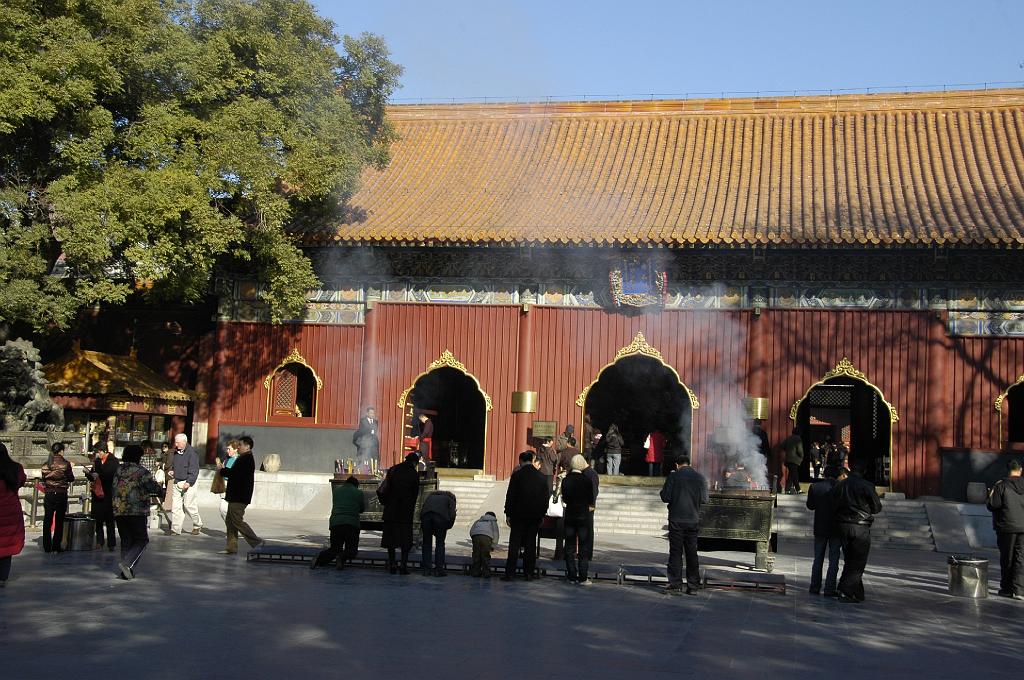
[
  {"x": 846, "y": 369},
  {"x": 448, "y": 360},
  {"x": 639, "y": 347},
  {"x": 294, "y": 357},
  {"x": 1000, "y": 400}
]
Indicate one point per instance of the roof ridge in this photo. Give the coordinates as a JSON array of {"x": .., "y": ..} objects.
[{"x": 825, "y": 103}]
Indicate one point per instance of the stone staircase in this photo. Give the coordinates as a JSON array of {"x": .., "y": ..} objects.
[
  {"x": 470, "y": 495},
  {"x": 638, "y": 510},
  {"x": 901, "y": 524}
]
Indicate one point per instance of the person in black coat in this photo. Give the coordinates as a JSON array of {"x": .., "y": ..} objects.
[
  {"x": 686, "y": 492},
  {"x": 855, "y": 503},
  {"x": 1006, "y": 502},
  {"x": 104, "y": 467},
  {"x": 579, "y": 499},
  {"x": 526, "y": 503},
  {"x": 366, "y": 438},
  {"x": 241, "y": 478},
  {"x": 826, "y": 537},
  {"x": 401, "y": 487}
]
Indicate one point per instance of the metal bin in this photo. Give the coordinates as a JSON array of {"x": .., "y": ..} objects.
[
  {"x": 968, "y": 576},
  {"x": 79, "y": 531}
]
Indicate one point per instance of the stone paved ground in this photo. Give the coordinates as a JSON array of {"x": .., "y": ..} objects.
[{"x": 194, "y": 614}]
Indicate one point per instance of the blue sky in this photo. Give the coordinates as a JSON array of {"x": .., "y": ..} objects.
[{"x": 532, "y": 49}]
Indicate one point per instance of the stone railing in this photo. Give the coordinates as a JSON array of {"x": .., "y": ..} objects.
[{"x": 31, "y": 448}]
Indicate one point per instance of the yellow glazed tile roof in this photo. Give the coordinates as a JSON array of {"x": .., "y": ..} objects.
[
  {"x": 923, "y": 169},
  {"x": 97, "y": 374}
]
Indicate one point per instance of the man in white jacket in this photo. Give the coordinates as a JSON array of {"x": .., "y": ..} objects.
[{"x": 484, "y": 534}]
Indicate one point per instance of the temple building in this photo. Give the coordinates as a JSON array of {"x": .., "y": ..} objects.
[{"x": 855, "y": 261}]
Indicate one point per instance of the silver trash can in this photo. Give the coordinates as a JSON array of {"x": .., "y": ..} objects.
[
  {"x": 968, "y": 576},
  {"x": 79, "y": 531}
]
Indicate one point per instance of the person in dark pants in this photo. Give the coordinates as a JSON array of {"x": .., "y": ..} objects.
[
  {"x": 348, "y": 503},
  {"x": 437, "y": 516},
  {"x": 57, "y": 475},
  {"x": 793, "y": 447},
  {"x": 241, "y": 478},
  {"x": 685, "y": 491},
  {"x": 826, "y": 537},
  {"x": 485, "y": 534},
  {"x": 855, "y": 503},
  {"x": 104, "y": 467},
  {"x": 133, "y": 485},
  {"x": 579, "y": 501},
  {"x": 526, "y": 503},
  {"x": 1006, "y": 502},
  {"x": 401, "y": 487}
]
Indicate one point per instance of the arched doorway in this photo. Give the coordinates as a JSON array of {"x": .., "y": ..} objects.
[
  {"x": 1010, "y": 405},
  {"x": 292, "y": 390},
  {"x": 641, "y": 394},
  {"x": 845, "y": 407},
  {"x": 453, "y": 399}
]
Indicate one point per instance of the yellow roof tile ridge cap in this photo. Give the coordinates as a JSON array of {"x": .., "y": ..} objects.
[{"x": 931, "y": 99}]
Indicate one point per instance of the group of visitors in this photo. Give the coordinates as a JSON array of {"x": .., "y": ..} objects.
[{"x": 844, "y": 506}]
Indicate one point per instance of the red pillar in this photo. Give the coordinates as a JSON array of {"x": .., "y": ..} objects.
[
  {"x": 524, "y": 380},
  {"x": 938, "y": 428},
  {"x": 217, "y": 388}
]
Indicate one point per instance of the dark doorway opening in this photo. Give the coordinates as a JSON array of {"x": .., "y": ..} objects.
[
  {"x": 853, "y": 413},
  {"x": 641, "y": 395},
  {"x": 1015, "y": 413},
  {"x": 455, "y": 404}
]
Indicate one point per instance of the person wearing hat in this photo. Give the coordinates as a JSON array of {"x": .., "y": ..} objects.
[
  {"x": 398, "y": 493},
  {"x": 578, "y": 499},
  {"x": 566, "y": 439}
]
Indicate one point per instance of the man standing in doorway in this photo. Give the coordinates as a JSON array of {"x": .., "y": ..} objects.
[
  {"x": 366, "y": 439},
  {"x": 1006, "y": 501},
  {"x": 526, "y": 503},
  {"x": 241, "y": 477},
  {"x": 855, "y": 503},
  {"x": 426, "y": 438},
  {"x": 793, "y": 447},
  {"x": 185, "y": 465},
  {"x": 685, "y": 491}
]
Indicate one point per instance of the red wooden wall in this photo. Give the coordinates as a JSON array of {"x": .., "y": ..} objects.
[
  {"x": 252, "y": 351},
  {"x": 411, "y": 336},
  {"x": 982, "y": 369},
  {"x": 709, "y": 349}
]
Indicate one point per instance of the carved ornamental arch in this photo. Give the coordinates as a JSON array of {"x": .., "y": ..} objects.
[
  {"x": 1000, "y": 400},
  {"x": 845, "y": 369},
  {"x": 294, "y": 357},
  {"x": 446, "y": 360},
  {"x": 639, "y": 347}
]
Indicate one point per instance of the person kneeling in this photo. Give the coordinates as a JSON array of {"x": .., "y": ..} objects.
[{"x": 348, "y": 503}]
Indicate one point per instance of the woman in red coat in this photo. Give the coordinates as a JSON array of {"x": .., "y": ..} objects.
[
  {"x": 655, "y": 453},
  {"x": 12, "y": 522}
]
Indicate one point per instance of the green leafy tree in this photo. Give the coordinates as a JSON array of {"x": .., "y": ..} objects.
[{"x": 145, "y": 143}]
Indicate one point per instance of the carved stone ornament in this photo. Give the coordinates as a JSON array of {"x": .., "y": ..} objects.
[
  {"x": 446, "y": 360},
  {"x": 293, "y": 358},
  {"x": 639, "y": 346},
  {"x": 845, "y": 369}
]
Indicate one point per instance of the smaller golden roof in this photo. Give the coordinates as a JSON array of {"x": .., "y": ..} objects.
[{"x": 95, "y": 373}]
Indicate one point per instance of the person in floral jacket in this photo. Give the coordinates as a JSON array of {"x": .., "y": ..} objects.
[{"x": 133, "y": 486}]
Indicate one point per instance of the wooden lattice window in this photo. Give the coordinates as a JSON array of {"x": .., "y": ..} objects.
[
  {"x": 292, "y": 389},
  {"x": 285, "y": 387}
]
